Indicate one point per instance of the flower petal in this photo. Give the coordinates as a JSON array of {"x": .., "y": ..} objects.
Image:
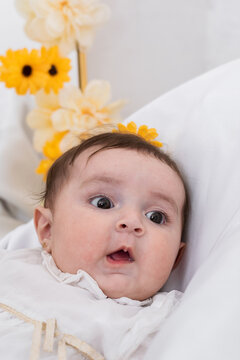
[
  {"x": 156, "y": 143},
  {"x": 51, "y": 149},
  {"x": 42, "y": 8},
  {"x": 99, "y": 92},
  {"x": 85, "y": 36},
  {"x": 43, "y": 167},
  {"x": 69, "y": 140},
  {"x": 23, "y": 8},
  {"x": 35, "y": 29},
  {"x": 55, "y": 24},
  {"x": 132, "y": 127},
  {"x": 49, "y": 101},
  {"x": 69, "y": 97},
  {"x": 151, "y": 134},
  {"x": 40, "y": 137},
  {"x": 142, "y": 131},
  {"x": 39, "y": 118},
  {"x": 62, "y": 120}
]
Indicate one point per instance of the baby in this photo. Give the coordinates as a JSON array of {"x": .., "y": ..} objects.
[{"x": 111, "y": 229}]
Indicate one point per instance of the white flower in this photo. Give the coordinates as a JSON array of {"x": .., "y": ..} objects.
[
  {"x": 69, "y": 140},
  {"x": 63, "y": 22},
  {"x": 73, "y": 112},
  {"x": 81, "y": 112},
  {"x": 39, "y": 119}
]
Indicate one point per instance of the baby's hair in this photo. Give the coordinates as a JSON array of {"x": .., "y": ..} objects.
[{"x": 59, "y": 172}]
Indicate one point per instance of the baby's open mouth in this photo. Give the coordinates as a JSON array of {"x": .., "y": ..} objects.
[{"x": 120, "y": 256}]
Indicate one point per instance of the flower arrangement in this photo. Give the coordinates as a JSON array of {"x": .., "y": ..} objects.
[
  {"x": 64, "y": 115},
  {"x": 60, "y": 120}
]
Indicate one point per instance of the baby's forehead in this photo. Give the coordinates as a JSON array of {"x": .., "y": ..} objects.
[
  {"x": 102, "y": 152},
  {"x": 109, "y": 158},
  {"x": 120, "y": 161}
]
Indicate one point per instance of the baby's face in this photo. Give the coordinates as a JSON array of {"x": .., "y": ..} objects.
[{"x": 119, "y": 218}]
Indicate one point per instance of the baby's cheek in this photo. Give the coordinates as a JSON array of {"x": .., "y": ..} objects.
[
  {"x": 90, "y": 252},
  {"x": 159, "y": 262}
]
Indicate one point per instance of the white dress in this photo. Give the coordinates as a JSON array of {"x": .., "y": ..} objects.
[{"x": 48, "y": 314}]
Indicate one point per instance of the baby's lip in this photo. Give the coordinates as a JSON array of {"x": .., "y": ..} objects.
[{"x": 125, "y": 249}]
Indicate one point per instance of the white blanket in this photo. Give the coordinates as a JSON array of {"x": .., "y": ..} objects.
[{"x": 119, "y": 329}]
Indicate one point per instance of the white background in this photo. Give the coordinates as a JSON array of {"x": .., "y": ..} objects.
[{"x": 149, "y": 47}]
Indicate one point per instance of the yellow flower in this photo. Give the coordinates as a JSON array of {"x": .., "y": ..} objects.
[
  {"x": 143, "y": 131},
  {"x": 23, "y": 70},
  {"x": 63, "y": 22},
  {"x": 52, "y": 151},
  {"x": 43, "y": 167},
  {"x": 58, "y": 68}
]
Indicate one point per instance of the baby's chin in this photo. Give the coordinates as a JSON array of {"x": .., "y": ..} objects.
[
  {"x": 117, "y": 294},
  {"x": 119, "y": 289}
]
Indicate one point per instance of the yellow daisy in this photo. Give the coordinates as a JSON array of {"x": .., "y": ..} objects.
[
  {"x": 58, "y": 68},
  {"x": 23, "y": 70},
  {"x": 143, "y": 131},
  {"x": 52, "y": 151}
]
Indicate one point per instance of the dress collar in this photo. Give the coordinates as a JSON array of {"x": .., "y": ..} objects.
[{"x": 83, "y": 280}]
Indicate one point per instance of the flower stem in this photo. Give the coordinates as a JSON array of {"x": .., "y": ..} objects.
[{"x": 82, "y": 68}]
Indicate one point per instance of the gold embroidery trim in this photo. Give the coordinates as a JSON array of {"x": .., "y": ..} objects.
[{"x": 51, "y": 331}]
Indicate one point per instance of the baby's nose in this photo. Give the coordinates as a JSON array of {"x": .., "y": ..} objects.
[{"x": 130, "y": 225}]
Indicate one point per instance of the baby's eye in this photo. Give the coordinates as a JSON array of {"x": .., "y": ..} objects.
[
  {"x": 157, "y": 217},
  {"x": 102, "y": 202}
]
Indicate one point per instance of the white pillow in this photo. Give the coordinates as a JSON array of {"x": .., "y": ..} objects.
[
  {"x": 206, "y": 323},
  {"x": 200, "y": 123}
]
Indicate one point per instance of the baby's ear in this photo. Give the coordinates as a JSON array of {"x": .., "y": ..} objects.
[
  {"x": 180, "y": 254},
  {"x": 43, "y": 226}
]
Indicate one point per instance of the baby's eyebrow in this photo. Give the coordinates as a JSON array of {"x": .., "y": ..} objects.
[
  {"x": 101, "y": 179},
  {"x": 166, "y": 198},
  {"x": 113, "y": 181}
]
